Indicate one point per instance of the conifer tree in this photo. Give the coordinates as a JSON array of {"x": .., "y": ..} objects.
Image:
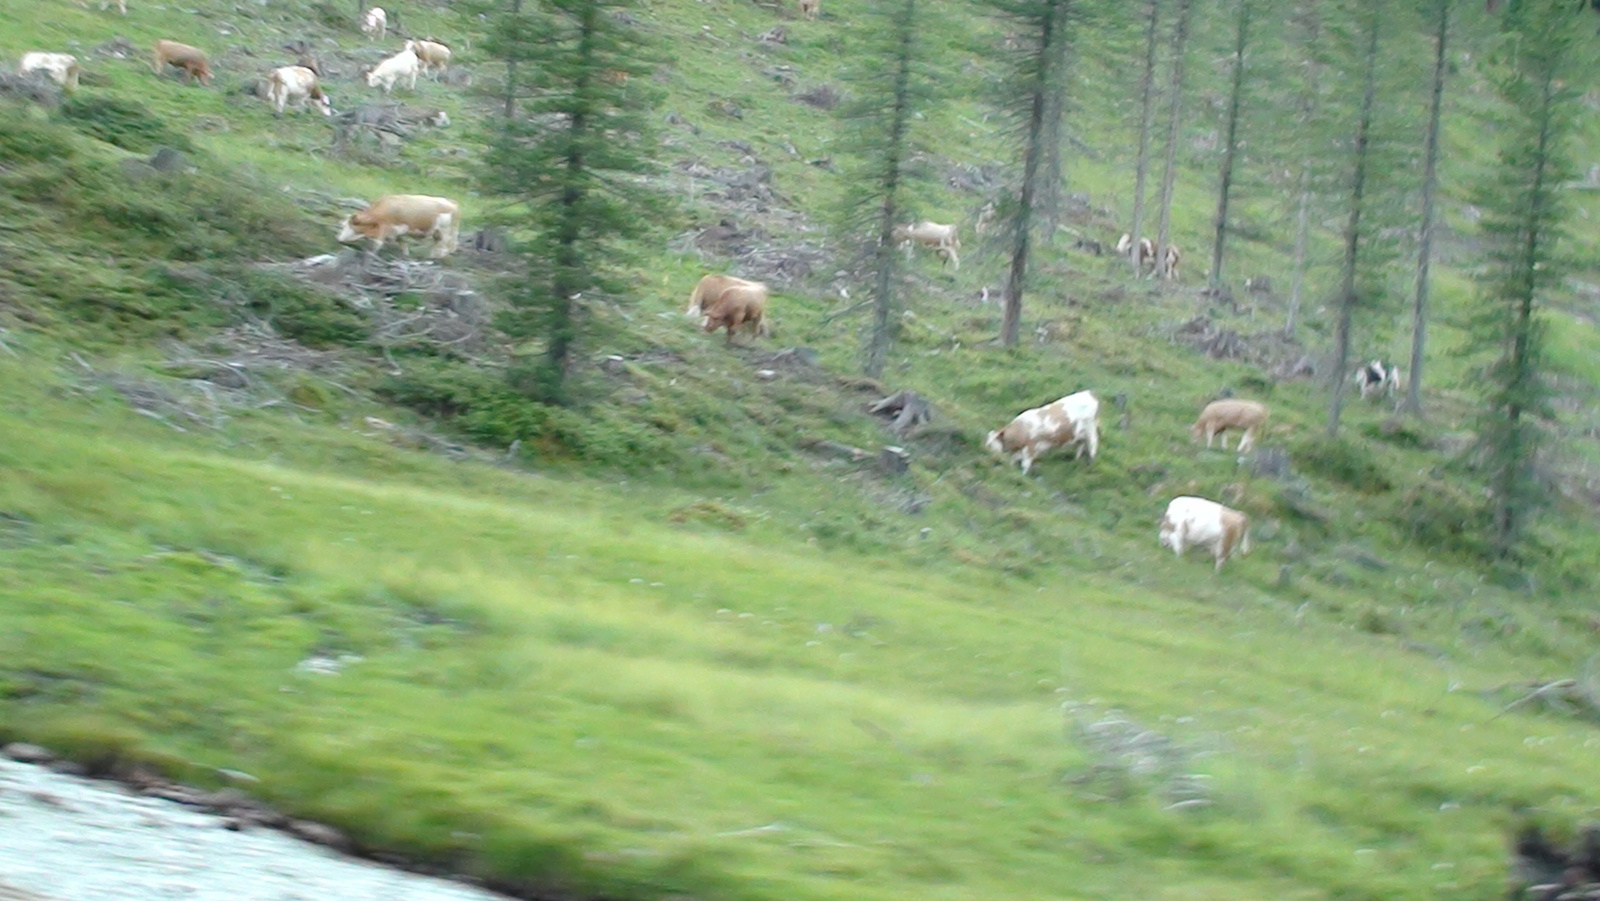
[
  {"x": 1440, "y": 14},
  {"x": 1147, "y": 120},
  {"x": 893, "y": 86},
  {"x": 568, "y": 155},
  {"x": 1046, "y": 28},
  {"x": 1244, "y": 14},
  {"x": 1524, "y": 212},
  {"x": 1169, "y": 173}
]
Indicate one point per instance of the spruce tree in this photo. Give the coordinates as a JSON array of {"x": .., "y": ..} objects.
[
  {"x": 1047, "y": 29},
  {"x": 568, "y": 155},
  {"x": 1524, "y": 214},
  {"x": 1147, "y": 119},
  {"x": 893, "y": 87},
  {"x": 1440, "y": 14},
  {"x": 1169, "y": 172},
  {"x": 1244, "y": 14}
]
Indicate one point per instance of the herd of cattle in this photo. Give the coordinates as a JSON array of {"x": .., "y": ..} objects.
[{"x": 728, "y": 302}]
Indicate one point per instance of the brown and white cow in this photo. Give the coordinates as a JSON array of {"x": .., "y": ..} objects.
[
  {"x": 1170, "y": 258},
  {"x": 1197, "y": 522},
  {"x": 192, "y": 60},
  {"x": 1219, "y": 416},
  {"x": 434, "y": 56},
  {"x": 406, "y": 215},
  {"x": 297, "y": 85},
  {"x": 1146, "y": 258},
  {"x": 809, "y": 8},
  {"x": 727, "y": 301},
  {"x": 1073, "y": 420},
  {"x": 62, "y": 68},
  {"x": 941, "y": 239}
]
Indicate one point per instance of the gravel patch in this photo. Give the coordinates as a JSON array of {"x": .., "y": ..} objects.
[{"x": 65, "y": 838}]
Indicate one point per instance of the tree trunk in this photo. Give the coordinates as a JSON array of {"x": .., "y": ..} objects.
[
  {"x": 1302, "y": 234},
  {"x": 1230, "y": 147},
  {"x": 1049, "y": 49},
  {"x": 1147, "y": 120},
  {"x": 1352, "y": 232},
  {"x": 1430, "y": 184},
  {"x": 1169, "y": 175},
  {"x": 511, "y": 66},
  {"x": 889, "y": 211},
  {"x": 569, "y": 275}
]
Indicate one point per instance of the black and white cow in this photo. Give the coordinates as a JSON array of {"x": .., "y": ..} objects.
[{"x": 1376, "y": 377}]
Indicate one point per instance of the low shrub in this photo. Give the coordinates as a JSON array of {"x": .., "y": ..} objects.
[{"x": 126, "y": 124}]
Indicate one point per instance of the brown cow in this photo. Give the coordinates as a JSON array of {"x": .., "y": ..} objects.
[
  {"x": 192, "y": 60},
  {"x": 399, "y": 215},
  {"x": 738, "y": 306},
  {"x": 1247, "y": 416}
]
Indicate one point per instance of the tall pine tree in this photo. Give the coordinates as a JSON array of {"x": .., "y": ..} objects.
[
  {"x": 893, "y": 86},
  {"x": 1046, "y": 28},
  {"x": 1524, "y": 211},
  {"x": 568, "y": 154}
]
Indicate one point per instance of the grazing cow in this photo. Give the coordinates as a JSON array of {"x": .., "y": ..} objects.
[
  {"x": 396, "y": 216},
  {"x": 1247, "y": 416},
  {"x": 192, "y": 60},
  {"x": 404, "y": 64},
  {"x": 739, "y": 305},
  {"x": 1073, "y": 420},
  {"x": 1169, "y": 262},
  {"x": 942, "y": 238},
  {"x": 709, "y": 290},
  {"x": 1377, "y": 378},
  {"x": 1196, "y": 522},
  {"x": 375, "y": 23},
  {"x": 809, "y": 8},
  {"x": 1147, "y": 251},
  {"x": 297, "y": 85},
  {"x": 61, "y": 67},
  {"x": 434, "y": 56}
]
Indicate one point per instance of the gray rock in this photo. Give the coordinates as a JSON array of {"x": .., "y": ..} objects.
[{"x": 22, "y": 752}]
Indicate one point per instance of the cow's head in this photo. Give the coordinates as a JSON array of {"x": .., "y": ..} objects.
[{"x": 347, "y": 231}]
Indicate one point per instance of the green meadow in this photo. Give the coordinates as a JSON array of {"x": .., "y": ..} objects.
[{"x": 669, "y": 645}]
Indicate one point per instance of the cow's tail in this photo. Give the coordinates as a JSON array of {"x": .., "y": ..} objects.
[{"x": 696, "y": 297}]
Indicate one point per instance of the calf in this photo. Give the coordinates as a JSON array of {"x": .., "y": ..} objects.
[
  {"x": 809, "y": 8},
  {"x": 61, "y": 67},
  {"x": 192, "y": 60},
  {"x": 434, "y": 56},
  {"x": 1073, "y": 420},
  {"x": 1247, "y": 416},
  {"x": 1377, "y": 378},
  {"x": 375, "y": 23},
  {"x": 1146, "y": 256},
  {"x": 297, "y": 85},
  {"x": 1169, "y": 262},
  {"x": 404, "y": 64},
  {"x": 1196, "y": 522},
  {"x": 401, "y": 215},
  {"x": 941, "y": 238}
]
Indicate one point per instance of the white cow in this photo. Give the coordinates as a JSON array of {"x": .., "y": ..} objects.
[
  {"x": 1196, "y": 522},
  {"x": 375, "y": 24},
  {"x": 297, "y": 85},
  {"x": 61, "y": 67},
  {"x": 1073, "y": 420},
  {"x": 404, "y": 64},
  {"x": 941, "y": 238}
]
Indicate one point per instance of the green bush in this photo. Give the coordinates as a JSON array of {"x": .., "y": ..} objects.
[
  {"x": 486, "y": 409},
  {"x": 1339, "y": 460},
  {"x": 1439, "y": 514},
  {"x": 126, "y": 124}
]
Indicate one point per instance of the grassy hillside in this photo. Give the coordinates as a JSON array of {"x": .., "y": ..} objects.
[{"x": 675, "y": 641}]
